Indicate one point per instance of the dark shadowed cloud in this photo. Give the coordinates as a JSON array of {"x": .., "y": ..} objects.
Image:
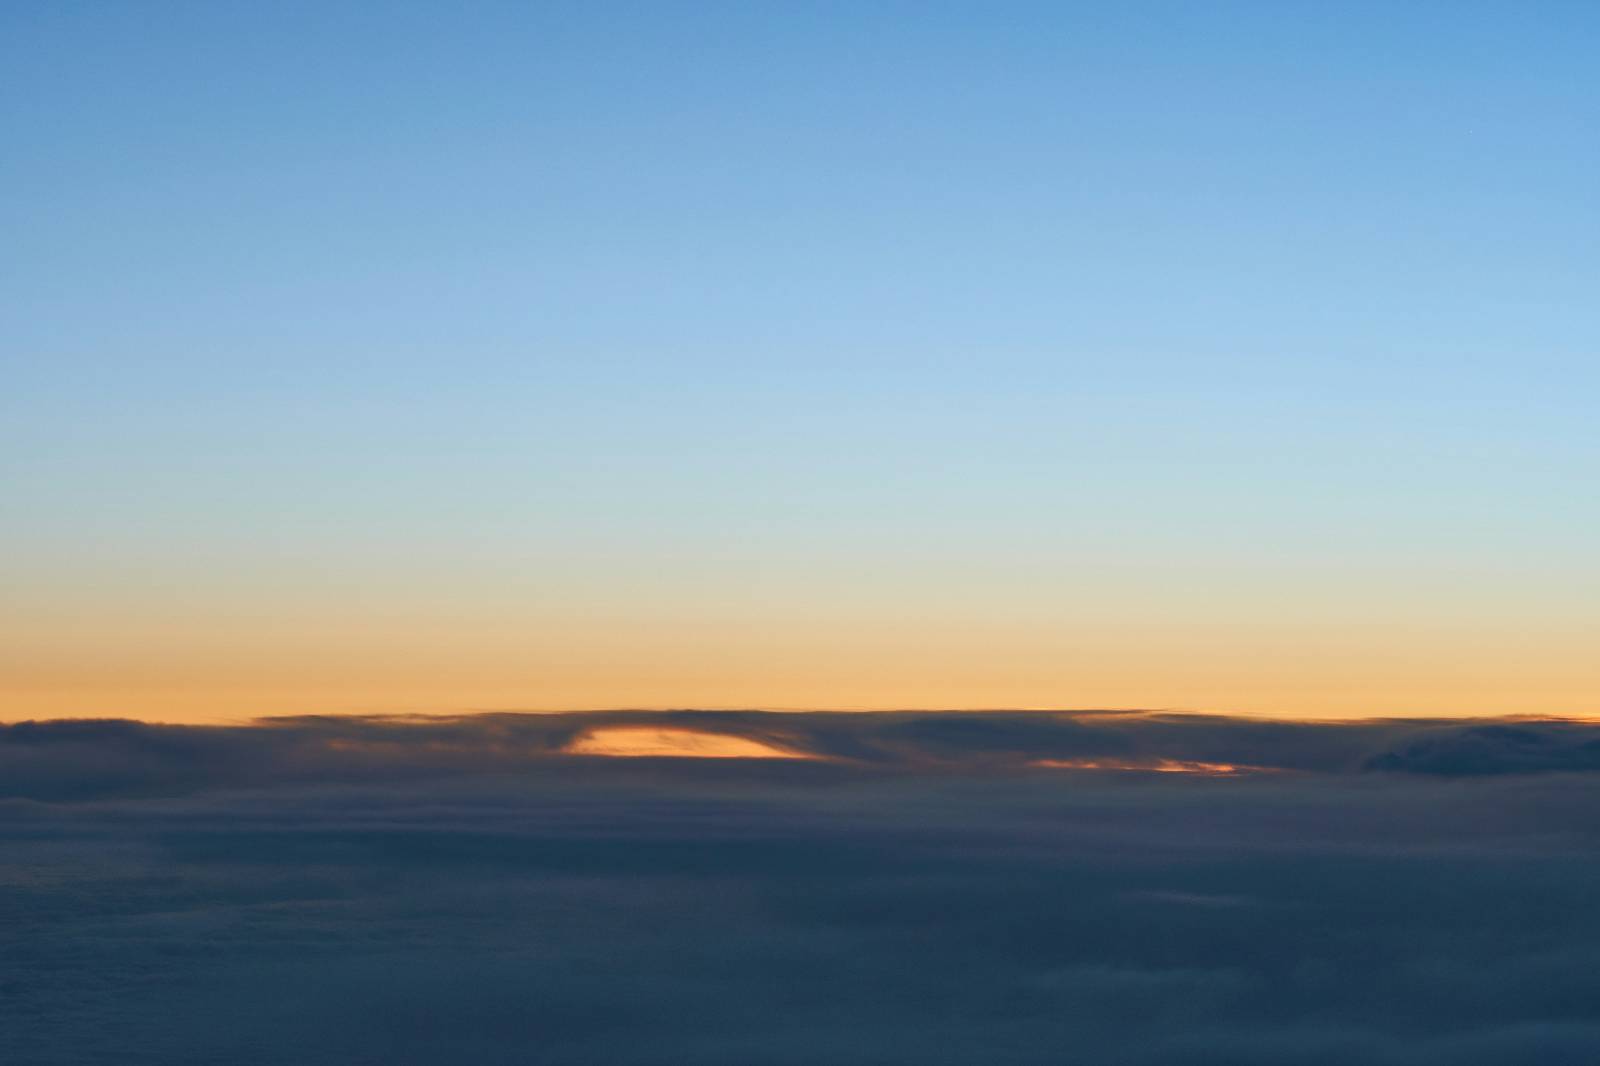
[
  {"x": 63, "y": 760},
  {"x": 438, "y": 891}
]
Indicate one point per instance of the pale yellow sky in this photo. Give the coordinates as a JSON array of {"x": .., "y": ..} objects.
[
  {"x": 189, "y": 636},
  {"x": 170, "y": 671}
]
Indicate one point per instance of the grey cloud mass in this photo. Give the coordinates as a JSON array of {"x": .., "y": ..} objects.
[{"x": 441, "y": 891}]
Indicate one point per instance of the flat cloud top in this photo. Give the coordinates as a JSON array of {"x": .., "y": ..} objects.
[
  {"x": 426, "y": 892},
  {"x": 81, "y": 759}
]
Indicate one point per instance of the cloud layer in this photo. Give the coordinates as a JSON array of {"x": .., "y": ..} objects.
[
  {"x": 60, "y": 760},
  {"x": 417, "y": 892}
]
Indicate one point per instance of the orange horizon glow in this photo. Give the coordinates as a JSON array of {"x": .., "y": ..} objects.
[
  {"x": 207, "y": 708},
  {"x": 243, "y": 669},
  {"x": 431, "y": 646}
]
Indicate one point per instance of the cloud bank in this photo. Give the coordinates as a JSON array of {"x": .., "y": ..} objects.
[
  {"x": 62, "y": 760},
  {"x": 412, "y": 892}
]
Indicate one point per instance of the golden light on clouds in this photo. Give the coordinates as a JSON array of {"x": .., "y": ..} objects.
[
  {"x": 1160, "y": 766},
  {"x": 649, "y": 741}
]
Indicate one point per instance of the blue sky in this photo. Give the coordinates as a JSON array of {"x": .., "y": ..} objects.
[{"x": 889, "y": 317}]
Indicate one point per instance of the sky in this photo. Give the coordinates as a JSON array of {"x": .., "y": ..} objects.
[{"x": 426, "y": 357}]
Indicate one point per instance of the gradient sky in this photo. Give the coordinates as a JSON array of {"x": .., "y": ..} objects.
[{"x": 1237, "y": 357}]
